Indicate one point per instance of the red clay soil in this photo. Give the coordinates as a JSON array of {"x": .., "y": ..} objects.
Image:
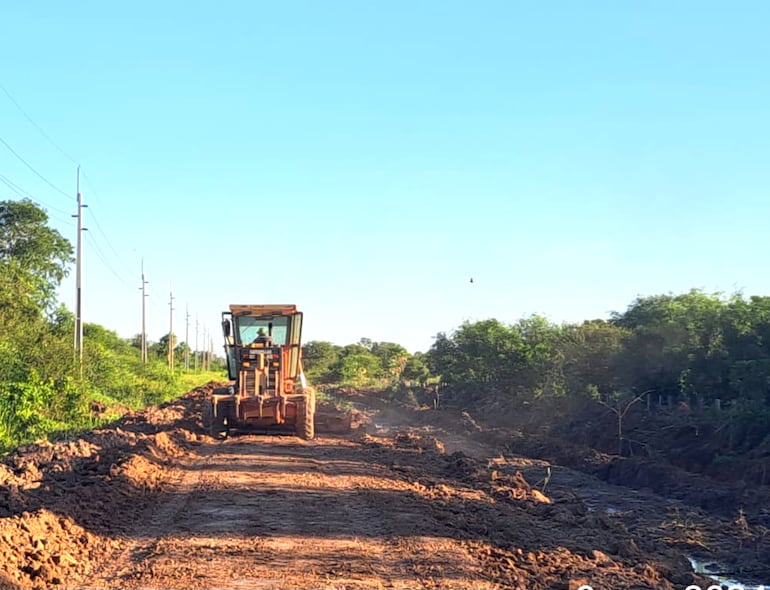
[
  {"x": 724, "y": 525},
  {"x": 152, "y": 502}
]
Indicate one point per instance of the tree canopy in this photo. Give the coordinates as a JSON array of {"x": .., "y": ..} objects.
[
  {"x": 33, "y": 255},
  {"x": 695, "y": 347}
]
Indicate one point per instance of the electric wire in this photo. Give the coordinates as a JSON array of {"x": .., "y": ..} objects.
[
  {"x": 68, "y": 221},
  {"x": 101, "y": 257},
  {"x": 96, "y": 220},
  {"x": 64, "y": 220},
  {"x": 162, "y": 312},
  {"x": 23, "y": 193},
  {"x": 100, "y": 254},
  {"x": 40, "y": 176},
  {"x": 38, "y": 127}
]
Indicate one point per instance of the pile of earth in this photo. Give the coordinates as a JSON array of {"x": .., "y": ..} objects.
[
  {"x": 526, "y": 538},
  {"x": 63, "y": 503},
  {"x": 332, "y": 417}
]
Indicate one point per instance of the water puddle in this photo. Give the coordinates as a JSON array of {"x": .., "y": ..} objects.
[
  {"x": 603, "y": 507},
  {"x": 715, "y": 571}
]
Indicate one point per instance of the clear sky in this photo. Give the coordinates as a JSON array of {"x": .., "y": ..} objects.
[{"x": 366, "y": 159}]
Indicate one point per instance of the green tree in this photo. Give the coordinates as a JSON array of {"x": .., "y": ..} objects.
[
  {"x": 523, "y": 358},
  {"x": 350, "y": 349},
  {"x": 393, "y": 357},
  {"x": 677, "y": 345},
  {"x": 35, "y": 255},
  {"x": 180, "y": 350},
  {"x": 33, "y": 261},
  {"x": 163, "y": 344},
  {"x": 538, "y": 360},
  {"x": 589, "y": 352},
  {"x": 358, "y": 368},
  {"x": 318, "y": 359},
  {"x": 136, "y": 341},
  {"x": 416, "y": 370},
  {"x": 480, "y": 352}
]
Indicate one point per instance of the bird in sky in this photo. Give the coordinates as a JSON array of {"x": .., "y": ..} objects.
[{"x": 471, "y": 279}]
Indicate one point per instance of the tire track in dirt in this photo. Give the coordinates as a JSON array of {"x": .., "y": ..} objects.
[{"x": 270, "y": 512}]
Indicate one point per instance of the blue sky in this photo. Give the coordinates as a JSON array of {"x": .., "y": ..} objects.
[{"x": 365, "y": 159}]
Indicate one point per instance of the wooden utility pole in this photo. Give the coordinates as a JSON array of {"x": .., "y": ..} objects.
[
  {"x": 143, "y": 288},
  {"x": 170, "y": 329},
  {"x": 79, "y": 280}
]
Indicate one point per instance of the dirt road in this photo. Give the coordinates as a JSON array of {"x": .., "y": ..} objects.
[
  {"x": 153, "y": 503},
  {"x": 270, "y": 512}
]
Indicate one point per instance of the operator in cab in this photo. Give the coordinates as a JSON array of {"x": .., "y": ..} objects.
[{"x": 263, "y": 338}]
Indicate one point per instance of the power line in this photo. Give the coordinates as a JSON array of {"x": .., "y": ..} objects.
[
  {"x": 159, "y": 309},
  {"x": 98, "y": 225},
  {"x": 16, "y": 188},
  {"x": 90, "y": 184},
  {"x": 63, "y": 220},
  {"x": 106, "y": 239},
  {"x": 22, "y": 193},
  {"x": 101, "y": 257},
  {"x": 71, "y": 159},
  {"x": 40, "y": 176},
  {"x": 36, "y": 126}
]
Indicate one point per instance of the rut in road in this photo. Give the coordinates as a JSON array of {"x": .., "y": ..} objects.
[{"x": 264, "y": 512}]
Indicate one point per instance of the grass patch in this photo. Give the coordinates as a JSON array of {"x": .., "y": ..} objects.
[{"x": 42, "y": 410}]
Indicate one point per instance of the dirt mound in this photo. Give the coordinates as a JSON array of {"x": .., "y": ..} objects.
[
  {"x": 674, "y": 482},
  {"x": 525, "y": 538},
  {"x": 63, "y": 503},
  {"x": 41, "y": 549},
  {"x": 333, "y": 418},
  {"x": 409, "y": 440}
]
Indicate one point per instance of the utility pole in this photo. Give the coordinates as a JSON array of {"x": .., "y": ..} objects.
[
  {"x": 143, "y": 288},
  {"x": 187, "y": 338},
  {"x": 170, "y": 329},
  {"x": 196, "y": 342},
  {"x": 203, "y": 352},
  {"x": 79, "y": 280}
]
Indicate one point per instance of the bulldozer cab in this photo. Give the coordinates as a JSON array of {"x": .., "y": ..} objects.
[{"x": 262, "y": 346}]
